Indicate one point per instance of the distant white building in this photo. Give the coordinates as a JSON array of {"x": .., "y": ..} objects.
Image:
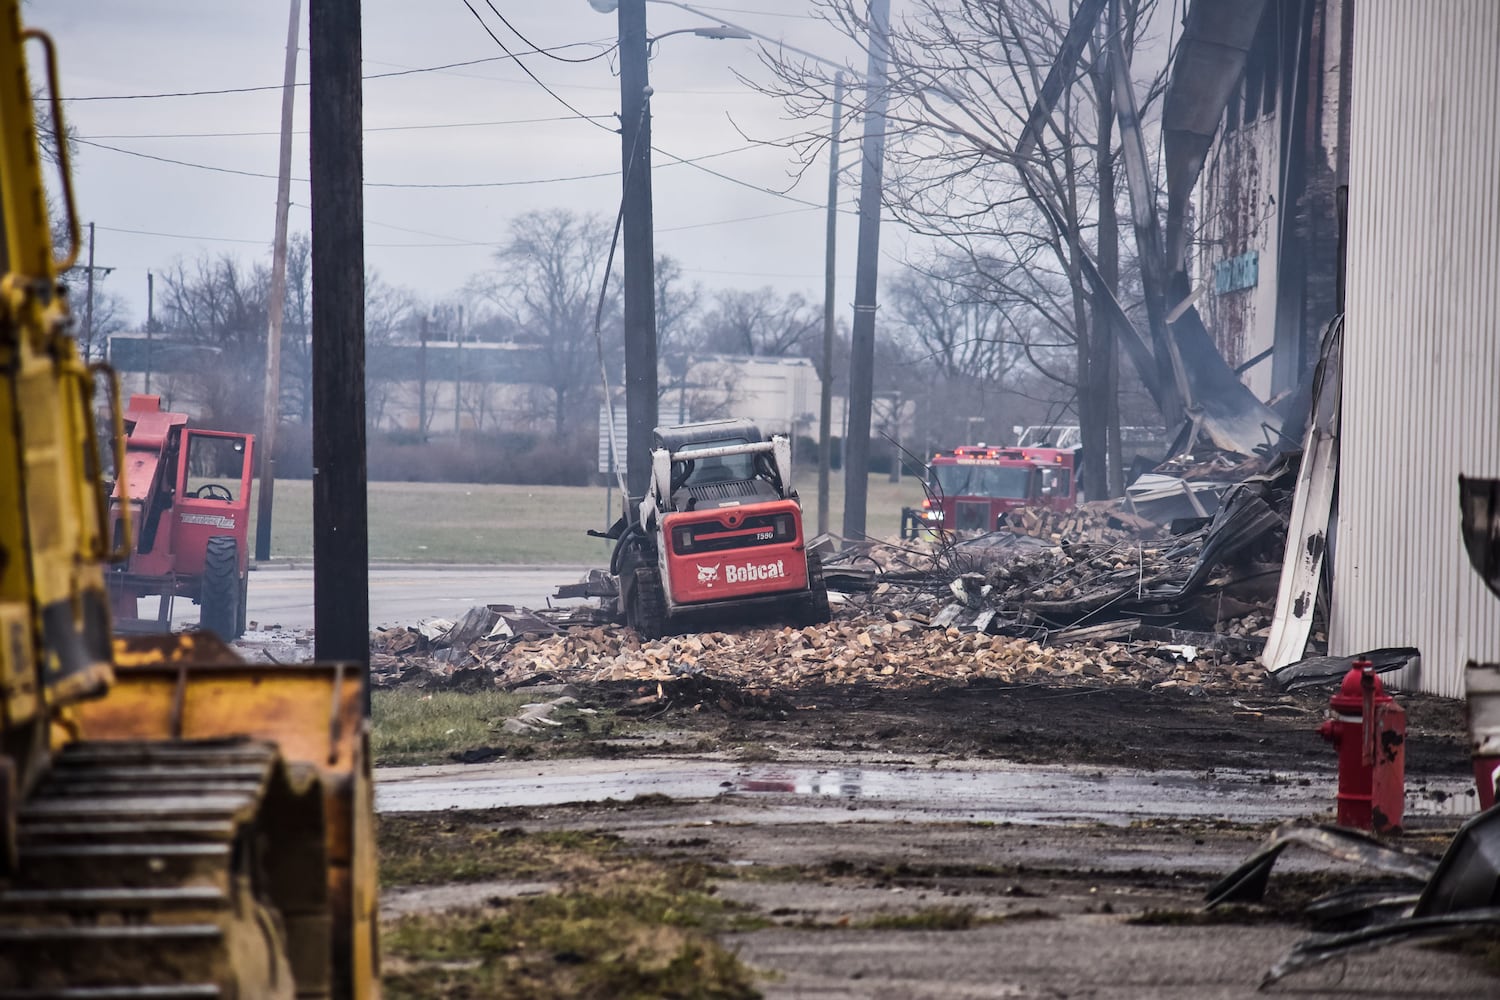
[{"x": 780, "y": 394}]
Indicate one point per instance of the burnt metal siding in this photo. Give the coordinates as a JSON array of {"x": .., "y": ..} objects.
[
  {"x": 1422, "y": 356},
  {"x": 1239, "y": 198},
  {"x": 1268, "y": 187}
]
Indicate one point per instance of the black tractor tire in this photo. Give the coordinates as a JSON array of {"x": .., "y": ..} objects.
[
  {"x": 647, "y": 611},
  {"x": 814, "y": 609},
  {"x": 242, "y": 619},
  {"x": 219, "y": 590}
]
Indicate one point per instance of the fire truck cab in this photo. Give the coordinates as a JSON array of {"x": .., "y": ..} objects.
[{"x": 972, "y": 487}]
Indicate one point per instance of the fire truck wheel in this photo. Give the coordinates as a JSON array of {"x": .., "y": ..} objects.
[
  {"x": 648, "y": 612},
  {"x": 219, "y": 591},
  {"x": 815, "y": 609}
]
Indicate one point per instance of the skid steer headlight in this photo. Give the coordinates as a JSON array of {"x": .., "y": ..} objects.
[
  {"x": 682, "y": 539},
  {"x": 785, "y": 527}
]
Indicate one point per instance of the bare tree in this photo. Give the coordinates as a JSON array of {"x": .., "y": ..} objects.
[
  {"x": 388, "y": 310},
  {"x": 296, "y": 329},
  {"x": 218, "y": 306},
  {"x": 969, "y": 162},
  {"x": 678, "y": 309},
  {"x": 762, "y": 323},
  {"x": 960, "y": 342},
  {"x": 547, "y": 285}
]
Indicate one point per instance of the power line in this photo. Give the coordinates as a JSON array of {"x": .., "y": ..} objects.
[
  {"x": 527, "y": 70},
  {"x": 451, "y": 241},
  {"x": 726, "y": 222},
  {"x": 538, "y": 49},
  {"x": 735, "y": 180},
  {"x": 509, "y": 56},
  {"x": 179, "y": 236},
  {"x": 380, "y": 128},
  {"x": 182, "y": 163},
  {"x": 231, "y": 239},
  {"x": 455, "y": 185},
  {"x": 757, "y": 13},
  {"x": 749, "y": 274}
]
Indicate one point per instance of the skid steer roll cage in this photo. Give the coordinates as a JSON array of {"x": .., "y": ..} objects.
[{"x": 658, "y": 498}]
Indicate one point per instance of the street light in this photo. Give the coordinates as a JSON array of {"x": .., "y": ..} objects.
[
  {"x": 719, "y": 31},
  {"x": 638, "y": 286},
  {"x": 862, "y": 345}
]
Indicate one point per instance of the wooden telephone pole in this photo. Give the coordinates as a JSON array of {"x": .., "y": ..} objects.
[
  {"x": 271, "y": 411},
  {"x": 341, "y": 551}
]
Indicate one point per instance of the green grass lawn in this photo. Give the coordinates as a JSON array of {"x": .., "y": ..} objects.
[{"x": 517, "y": 525}]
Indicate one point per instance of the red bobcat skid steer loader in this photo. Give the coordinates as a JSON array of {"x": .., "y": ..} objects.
[
  {"x": 189, "y": 497},
  {"x": 718, "y": 533}
]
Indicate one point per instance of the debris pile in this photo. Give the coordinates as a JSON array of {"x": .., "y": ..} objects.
[
  {"x": 1100, "y": 573},
  {"x": 896, "y": 650},
  {"x": 1095, "y": 594}
]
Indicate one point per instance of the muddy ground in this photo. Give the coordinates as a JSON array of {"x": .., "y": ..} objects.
[
  {"x": 1027, "y": 723},
  {"x": 821, "y": 896}
]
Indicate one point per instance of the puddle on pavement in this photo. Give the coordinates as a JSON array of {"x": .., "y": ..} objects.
[{"x": 1022, "y": 794}]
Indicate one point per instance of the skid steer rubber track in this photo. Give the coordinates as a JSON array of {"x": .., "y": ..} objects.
[
  {"x": 144, "y": 873},
  {"x": 650, "y": 604},
  {"x": 814, "y": 608}
]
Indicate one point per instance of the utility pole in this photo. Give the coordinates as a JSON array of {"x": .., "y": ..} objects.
[
  {"x": 88, "y": 308},
  {"x": 862, "y": 348},
  {"x": 341, "y": 550},
  {"x": 830, "y": 258},
  {"x": 422, "y": 383},
  {"x": 88, "y": 305},
  {"x": 896, "y": 437},
  {"x": 150, "y": 323},
  {"x": 639, "y": 282},
  {"x": 271, "y": 410},
  {"x": 458, "y": 373}
]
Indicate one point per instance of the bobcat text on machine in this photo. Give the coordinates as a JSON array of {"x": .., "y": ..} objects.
[
  {"x": 719, "y": 531},
  {"x": 174, "y": 821},
  {"x": 973, "y": 486},
  {"x": 188, "y": 491}
]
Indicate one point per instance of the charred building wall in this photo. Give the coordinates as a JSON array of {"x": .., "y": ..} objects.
[{"x": 1267, "y": 237}]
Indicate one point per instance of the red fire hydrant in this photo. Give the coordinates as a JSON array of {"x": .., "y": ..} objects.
[{"x": 1369, "y": 729}]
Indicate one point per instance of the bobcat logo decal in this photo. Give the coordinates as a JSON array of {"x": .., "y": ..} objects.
[{"x": 708, "y": 575}]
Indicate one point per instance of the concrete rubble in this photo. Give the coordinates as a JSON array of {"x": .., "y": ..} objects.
[{"x": 1100, "y": 594}]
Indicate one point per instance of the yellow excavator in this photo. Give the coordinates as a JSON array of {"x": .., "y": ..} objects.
[{"x": 174, "y": 822}]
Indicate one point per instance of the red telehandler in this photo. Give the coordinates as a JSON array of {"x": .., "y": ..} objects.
[{"x": 188, "y": 491}]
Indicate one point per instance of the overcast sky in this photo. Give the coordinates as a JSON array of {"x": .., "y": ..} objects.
[{"x": 484, "y": 129}]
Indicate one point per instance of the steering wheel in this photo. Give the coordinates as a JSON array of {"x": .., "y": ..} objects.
[{"x": 213, "y": 491}]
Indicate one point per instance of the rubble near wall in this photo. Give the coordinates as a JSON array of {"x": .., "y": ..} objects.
[{"x": 894, "y": 651}]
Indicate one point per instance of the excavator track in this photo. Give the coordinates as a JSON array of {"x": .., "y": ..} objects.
[{"x": 146, "y": 873}]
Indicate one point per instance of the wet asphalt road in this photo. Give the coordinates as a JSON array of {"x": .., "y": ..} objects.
[
  {"x": 398, "y": 596},
  {"x": 865, "y": 792}
]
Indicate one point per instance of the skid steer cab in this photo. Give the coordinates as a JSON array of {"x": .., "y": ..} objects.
[
  {"x": 718, "y": 536},
  {"x": 188, "y": 491}
]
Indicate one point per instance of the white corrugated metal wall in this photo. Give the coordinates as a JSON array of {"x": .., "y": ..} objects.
[{"x": 1422, "y": 355}]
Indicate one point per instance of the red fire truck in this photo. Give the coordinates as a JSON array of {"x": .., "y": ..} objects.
[{"x": 971, "y": 487}]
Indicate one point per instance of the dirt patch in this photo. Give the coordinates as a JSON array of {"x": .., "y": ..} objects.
[
  {"x": 733, "y": 908},
  {"x": 1028, "y": 723}
]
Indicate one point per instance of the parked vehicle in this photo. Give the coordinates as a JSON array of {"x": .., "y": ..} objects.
[
  {"x": 188, "y": 491},
  {"x": 973, "y": 487}
]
